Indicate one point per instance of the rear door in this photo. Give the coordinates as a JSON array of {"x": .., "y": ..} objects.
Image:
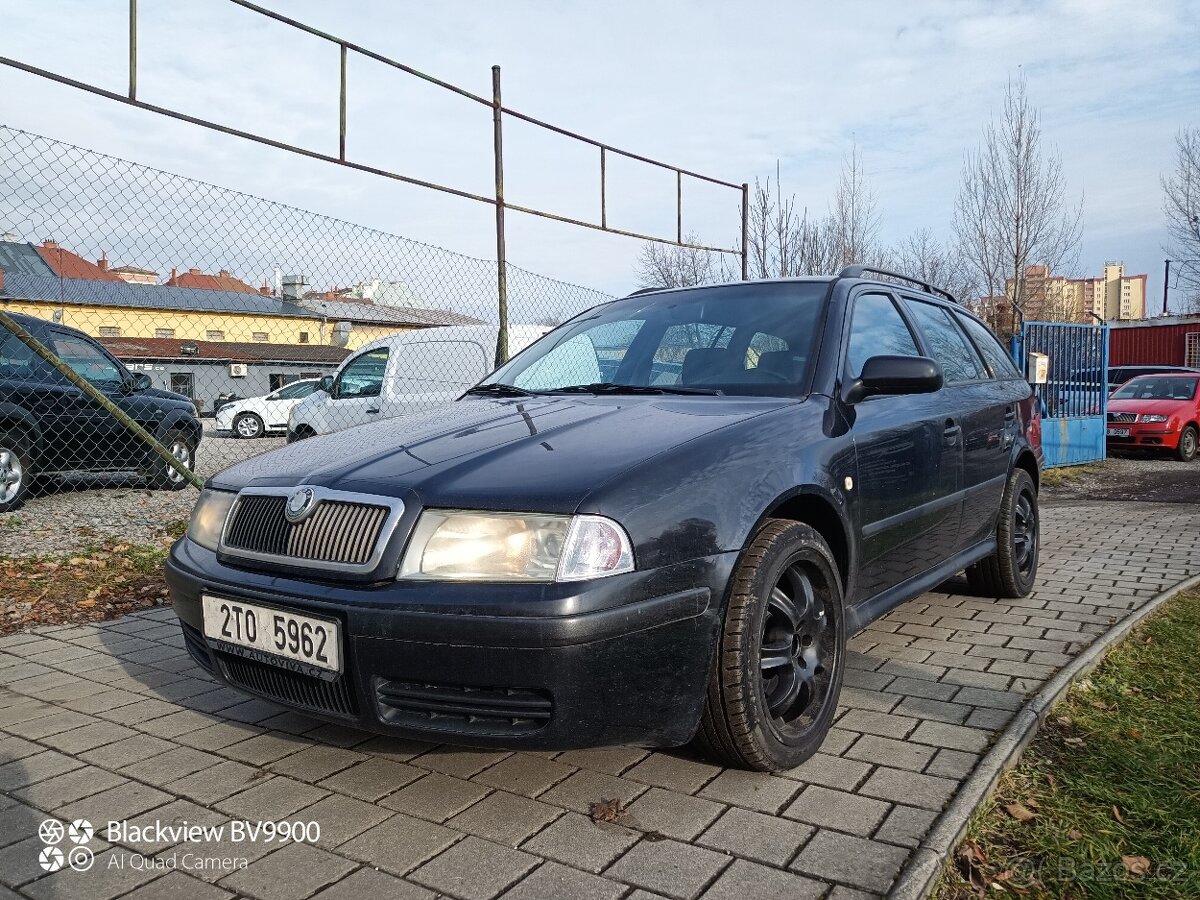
[
  {"x": 985, "y": 408},
  {"x": 909, "y": 453}
]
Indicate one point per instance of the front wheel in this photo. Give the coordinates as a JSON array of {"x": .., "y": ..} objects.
[
  {"x": 1186, "y": 449},
  {"x": 773, "y": 691},
  {"x": 162, "y": 477},
  {"x": 16, "y": 464},
  {"x": 248, "y": 425},
  {"x": 1010, "y": 571}
]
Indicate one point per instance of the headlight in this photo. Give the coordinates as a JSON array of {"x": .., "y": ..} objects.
[
  {"x": 208, "y": 517},
  {"x": 1154, "y": 418},
  {"x": 461, "y": 545}
]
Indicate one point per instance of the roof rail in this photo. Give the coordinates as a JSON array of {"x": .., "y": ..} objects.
[
  {"x": 857, "y": 271},
  {"x": 645, "y": 290}
]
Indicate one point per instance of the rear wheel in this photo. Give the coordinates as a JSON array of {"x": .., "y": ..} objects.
[
  {"x": 16, "y": 469},
  {"x": 162, "y": 477},
  {"x": 1186, "y": 449},
  {"x": 773, "y": 691},
  {"x": 248, "y": 425},
  {"x": 1011, "y": 571}
]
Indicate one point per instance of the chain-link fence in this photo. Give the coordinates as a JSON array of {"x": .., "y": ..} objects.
[{"x": 136, "y": 303}]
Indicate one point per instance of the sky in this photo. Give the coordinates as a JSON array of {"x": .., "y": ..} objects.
[{"x": 730, "y": 91}]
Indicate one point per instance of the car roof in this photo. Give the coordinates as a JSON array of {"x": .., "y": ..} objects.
[{"x": 1181, "y": 372}]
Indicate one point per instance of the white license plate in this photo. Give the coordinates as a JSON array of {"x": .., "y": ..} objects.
[
  {"x": 1118, "y": 432},
  {"x": 275, "y": 632}
]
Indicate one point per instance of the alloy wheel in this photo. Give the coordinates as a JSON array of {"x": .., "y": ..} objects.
[
  {"x": 12, "y": 474},
  {"x": 797, "y": 652},
  {"x": 1025, "y": 534},
  {"x": 182, "y": 452},
  {"x": 1189, "y": 443},
  {"x": 247, "y": 427}
]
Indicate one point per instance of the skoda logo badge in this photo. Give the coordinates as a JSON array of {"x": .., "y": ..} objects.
[{"x": 300, "y": 504}]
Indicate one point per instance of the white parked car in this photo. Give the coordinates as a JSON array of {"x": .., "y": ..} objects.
[
  {"x": 256, "y": 416},
  {"x": 404, "y": 373}
]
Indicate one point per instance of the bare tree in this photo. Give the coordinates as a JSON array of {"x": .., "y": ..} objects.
[
  {"x": 923, "y": 256},
  {"x": 671, "y": 265},
  {"x": 1012, "y": 212},
  {"x": 1181, "y": 204},
  {"x": 854, "y": 218}
]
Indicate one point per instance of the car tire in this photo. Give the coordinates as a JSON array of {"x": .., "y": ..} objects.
[
  {"x": 248, "y": 425},
  {"x": 1185, "y": 450},
  {"x": 772, "y": 694},
  {"x": 1010, "y": 572},
  {"x": 160, "y": 476},
  {"x": 16, "y": 469}
]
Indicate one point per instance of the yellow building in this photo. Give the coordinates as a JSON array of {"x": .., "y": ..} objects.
[
  {"x": 1113, "y": 296},
  {"x": 53, "y": 283}
]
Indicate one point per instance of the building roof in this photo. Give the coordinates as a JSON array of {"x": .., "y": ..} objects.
[
  {"x": 222, "y": 281},
  {"x": 66, "y": 264},
  {"x": 222, "y": 351},
  {"x": 348, "y": 311},
  {"x": 133, "y": 270},
  {"x": 20, "y": 258}
]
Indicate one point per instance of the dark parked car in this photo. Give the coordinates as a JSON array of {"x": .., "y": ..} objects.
[
  {"x": 564, "y": 559},
  {"x": 48, "y": 426}
]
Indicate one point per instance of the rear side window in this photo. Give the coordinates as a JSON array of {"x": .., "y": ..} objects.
[
  {"x": 947, "y": 344},
  {"x": 993, "y": 353},
  {"x": 877, "y": 329},
  {"x": 16, "y": 359}
]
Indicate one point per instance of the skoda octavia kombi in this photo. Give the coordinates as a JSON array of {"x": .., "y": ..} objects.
[{"x": 659, "y": 523}]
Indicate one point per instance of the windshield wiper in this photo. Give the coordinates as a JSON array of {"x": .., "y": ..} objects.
[
  {"x": 608, "y": 387},
  {"x": 496, "y": 389}
]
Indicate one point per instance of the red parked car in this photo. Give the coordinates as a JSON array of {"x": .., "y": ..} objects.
[{"x": 1156, "y": 412}]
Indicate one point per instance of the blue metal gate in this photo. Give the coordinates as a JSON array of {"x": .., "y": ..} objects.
[{"x": 1074, "y": 397}]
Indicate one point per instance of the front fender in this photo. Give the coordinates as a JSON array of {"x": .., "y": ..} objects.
[{"x": 181, "y": 420}]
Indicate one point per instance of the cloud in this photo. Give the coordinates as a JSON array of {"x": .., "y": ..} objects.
[{"x": 719, "y": 90}]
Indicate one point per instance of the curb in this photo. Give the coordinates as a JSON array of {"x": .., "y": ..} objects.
[{"x": 920, "y": 873}]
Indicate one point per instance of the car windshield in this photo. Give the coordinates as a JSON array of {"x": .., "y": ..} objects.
[
  {"x": 746, "y": 339},
  {"x": 1158, "y": 387}
]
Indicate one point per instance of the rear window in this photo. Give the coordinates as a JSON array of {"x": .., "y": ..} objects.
[{"x": 999, "y": 362}]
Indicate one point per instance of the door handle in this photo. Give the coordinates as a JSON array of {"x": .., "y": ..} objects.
[
  {"x": 372, "y": 411},
  {"x": 951, "y": 432}
]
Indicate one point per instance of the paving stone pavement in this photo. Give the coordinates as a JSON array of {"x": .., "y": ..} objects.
[{"x": 113, "y": 722}]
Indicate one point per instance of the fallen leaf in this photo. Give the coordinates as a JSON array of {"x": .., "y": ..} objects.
[
  {"x": 1019, "y": 812},
  {"x": 1073, "y": 741},
  {"x": 1051, "y": 780},
  {"x": 1149, "y": 640},
  {"x": 607, "y": 810},
  {"x": 1136, "y": 865},
  {"x": 1117, "y": 815},
  {"x": 1074, "y": 834},
  {"x": 1134, "y": 733},
  {"x": 1032, "y": 803}
]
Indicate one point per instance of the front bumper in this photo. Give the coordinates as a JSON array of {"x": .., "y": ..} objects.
[
  {"x": 614, "y": 661},
  {"x": 1150, "y": 437}
]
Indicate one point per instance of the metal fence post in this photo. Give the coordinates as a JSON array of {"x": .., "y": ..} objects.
[
  {"x": 132, "y": 49},
  {"x": 501, "y": 264},
  {"x": 107, "y": 405},
  {"x": 745, "y": 231}
]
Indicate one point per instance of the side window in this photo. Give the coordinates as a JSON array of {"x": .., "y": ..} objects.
[
  {"x": 294, "y": 391},
  {"x": 86, "y": 359},
  {"x": 877, "y": 329},
  {"x": 680, "y": 340},
  {"x": 993, "y": 353},
  {"x": 438, "y": 366},
  {"x": 947, "y": 344},
  {"x": 16, "y": 360},
  {"x": 363, "y": 375}
]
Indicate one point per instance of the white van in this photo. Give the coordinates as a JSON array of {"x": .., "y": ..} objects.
[{"x": 404, "y": 373}]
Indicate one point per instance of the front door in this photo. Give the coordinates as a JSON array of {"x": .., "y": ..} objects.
[
  {"x": 909, "y": 455},
  {"x": 356, "y": 390}
]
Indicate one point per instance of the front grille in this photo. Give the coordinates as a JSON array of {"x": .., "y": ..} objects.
[
  {"x": 332, "y": 697},
  {"x": 1122, "y": 417},
  {"x": 472, "y": 710},
  {"x": 336, "y": 531}
]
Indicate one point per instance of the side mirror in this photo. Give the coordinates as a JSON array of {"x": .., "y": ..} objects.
[
  {"x": 326, "y": 384},
  {"x": 889, "y": 375},
  {"x": 138, "y": 381}
]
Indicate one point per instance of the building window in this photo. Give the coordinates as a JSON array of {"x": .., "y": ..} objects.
[
  {"x": 261, "y": 337},
  {"x": 183, "y": 383},
  {"x": 212, "y": 335},
  {"x": 110, "y": 331},
  {"x": 164, "y": 332},
  {"x": 304, "y": 337},
  {"x": 278, "y": 380}
]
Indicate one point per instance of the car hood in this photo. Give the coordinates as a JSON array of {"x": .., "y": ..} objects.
[
  {"x": 544, "y": 453},
  {"x": 1151, "y": 407},
  {"x": 159, "y": 394}
]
